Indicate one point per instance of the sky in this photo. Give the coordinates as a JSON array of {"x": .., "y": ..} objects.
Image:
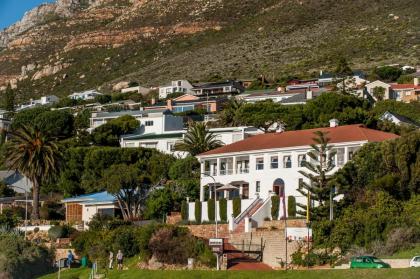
[{"x": 13, "y": 10}]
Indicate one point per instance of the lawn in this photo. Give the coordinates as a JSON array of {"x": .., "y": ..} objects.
[
  {"x": 312, "y": 274},
  {"x": 405, "y": 254}
]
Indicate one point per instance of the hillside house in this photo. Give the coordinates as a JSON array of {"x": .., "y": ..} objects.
[
  {"x": 4, "y": 120},
  {"x": 81, "y": 209},
  {"x": 260, "y": 166},
  {"x": 229, "y": 87},
  {"x": 398, "y": 119},
  {"x": 43, "y": 101},
  {"x": 166, "y": 141},
  {"x": 400, "y": 92},
  {"x": 188, "y": 102},
  {"x": 85, "y": 95},
  {"x": 176, "y": 86},
  {"x": 151, "y": 121}
]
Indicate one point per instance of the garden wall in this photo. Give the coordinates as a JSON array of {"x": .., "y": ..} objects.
[{"x": 208, "y": 231}]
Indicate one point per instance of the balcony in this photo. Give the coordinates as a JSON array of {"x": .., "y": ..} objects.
[{"x": 226, "y": 172}]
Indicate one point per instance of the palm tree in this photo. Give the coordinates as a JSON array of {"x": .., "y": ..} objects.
[
  {"x": 228, "y": 117},
  {"x": 198, "y": 140},
  {"x": 34, "y": 155}
]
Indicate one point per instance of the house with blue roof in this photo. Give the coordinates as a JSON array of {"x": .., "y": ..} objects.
[{"x": 81, "y": 209}]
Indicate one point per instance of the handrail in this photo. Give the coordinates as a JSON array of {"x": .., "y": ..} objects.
[{"x": 246, "y": 211}]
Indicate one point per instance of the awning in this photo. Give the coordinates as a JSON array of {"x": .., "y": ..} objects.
[
  {"x": 213, "y": 184},
  {"x": 227, "y": 187}
]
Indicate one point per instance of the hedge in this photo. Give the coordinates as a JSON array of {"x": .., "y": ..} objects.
[
  {"x": 291, "y": 206},
  {"x": 223, "y": 209},
  {"x": 210, "y": 209},
  {"x": 197, "y": 212},
  {"x": 275, "y": 203},
  {"x": 184, "y": 210},
  {"x": 236, "y": 206}
]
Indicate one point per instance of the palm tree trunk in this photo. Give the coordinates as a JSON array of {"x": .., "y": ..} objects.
[{"x": 35, "y": 199}]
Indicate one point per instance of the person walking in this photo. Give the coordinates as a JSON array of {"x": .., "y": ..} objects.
[
  {"x": 111, "y": 260},
  {"x": 120, "y": 257},
  {"x": 70, "y": 258}
]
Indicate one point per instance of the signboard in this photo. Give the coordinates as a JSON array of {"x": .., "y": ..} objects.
[
  {"x": 216, "y": 245},
  {"x": 299, "y": 234},
  {"x": 216, "y": 242}
]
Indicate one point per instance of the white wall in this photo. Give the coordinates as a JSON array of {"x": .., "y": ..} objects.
[{"x": 89, "y": 210}]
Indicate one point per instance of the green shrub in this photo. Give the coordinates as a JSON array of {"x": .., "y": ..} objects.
[
  {"x": 56, "y": 232},
  {"x": 223, "y": 210},
  {"x": 197, "y": 211},
  {"x": 236, "y": 206},
  {"x": 184, "y": 210},
  {"x": 124, "y": 239},
  {"x": 172, "y": 245},
  {"x": 210, "y": 209},
  {"x": 291, "y": 206},
  {"x": 22, "y": 259},
  {"x": 275, "y": 203}
]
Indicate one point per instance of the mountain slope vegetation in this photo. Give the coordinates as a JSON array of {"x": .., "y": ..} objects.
[{"x": 152, "y": 42}]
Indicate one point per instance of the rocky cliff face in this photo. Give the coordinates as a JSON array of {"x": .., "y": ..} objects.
[
  {"x": 43, "y": 13},
  {"x": 153, "y": 41}
]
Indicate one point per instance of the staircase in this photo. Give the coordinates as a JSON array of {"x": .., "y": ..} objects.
[{"x": 240, "y": 220}]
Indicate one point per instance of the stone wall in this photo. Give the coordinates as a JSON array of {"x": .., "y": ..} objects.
[
  {"x": 208, "y": 231},
  {"x": 173, "y": 218},
  {"x": 274, "y": 243},
  {"x": 279, "y": 224}
]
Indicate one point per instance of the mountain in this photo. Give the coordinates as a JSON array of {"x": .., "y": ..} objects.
[{"x": 74, "y": 45}]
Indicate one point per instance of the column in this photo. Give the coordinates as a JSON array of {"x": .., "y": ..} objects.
[
  {"x": 218, "y": 167},
  {"x": 234, "y": 165},
  {"x": 346, "y": 154}
]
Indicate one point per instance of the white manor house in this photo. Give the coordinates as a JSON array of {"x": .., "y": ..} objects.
[{"x": 264, "y": 165}]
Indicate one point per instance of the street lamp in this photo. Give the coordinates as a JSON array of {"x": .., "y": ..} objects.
[
  {"x": 215, "y": 213},
  {"x": 26, "y": 207}
]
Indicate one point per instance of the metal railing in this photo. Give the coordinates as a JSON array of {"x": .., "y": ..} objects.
[{"x": 244, "y": 213}]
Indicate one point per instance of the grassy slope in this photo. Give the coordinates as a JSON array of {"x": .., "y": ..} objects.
[
  {"x": 406, "y": 254},
  {"x": 318, "y": 274},
  {"x": 271, "y": 37}
]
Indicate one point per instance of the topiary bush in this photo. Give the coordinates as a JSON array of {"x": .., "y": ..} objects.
[
  {"x": 291, "y": 206},
  {"x": 197, "y": 211},
  {"x": 184, "y": 210},
  {"x": 210, "y": 209},
  {"x": 236, "y": 206},
  {"x": 223, "y": 210},
  {"x": 275, "y": 203}
]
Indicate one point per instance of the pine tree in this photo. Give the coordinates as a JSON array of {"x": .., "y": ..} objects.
[{"x": 319, "y": 166}]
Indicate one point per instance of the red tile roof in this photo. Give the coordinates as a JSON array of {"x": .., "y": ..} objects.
[
  {"x": 404, "y": 86},
  {"x": 347, "y": 133}
]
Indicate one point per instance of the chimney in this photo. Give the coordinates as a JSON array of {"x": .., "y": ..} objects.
[
  {"x": 309, "y": 95},
  {"x": 153, "y": 101},
  {"x": 416, "y": 81},
  {"x": 333, "y": 123},
  {"x": 169, "y": 104}
]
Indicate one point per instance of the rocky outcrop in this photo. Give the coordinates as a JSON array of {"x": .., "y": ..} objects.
[
  {"x": 49, "y": 70},
  {"x": 41, "y": 14}
]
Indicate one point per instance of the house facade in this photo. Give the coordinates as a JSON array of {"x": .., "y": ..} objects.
[
  {"x": 264, "y": 165},
  {"x": 407, "y": 92},
  {"x": 165, "y": 142},
  {"x": 4, "y": 120},
  {"x": 81, "y": 209},
  {"x": 151, "y": 121},
  {"x": 190, "y": 102},
  {"x": 228, "y": 87},
  {"x": 176, "y": 86},
  {"x": 85, "y": 95},
  {"x": 43, "y": 101}
]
